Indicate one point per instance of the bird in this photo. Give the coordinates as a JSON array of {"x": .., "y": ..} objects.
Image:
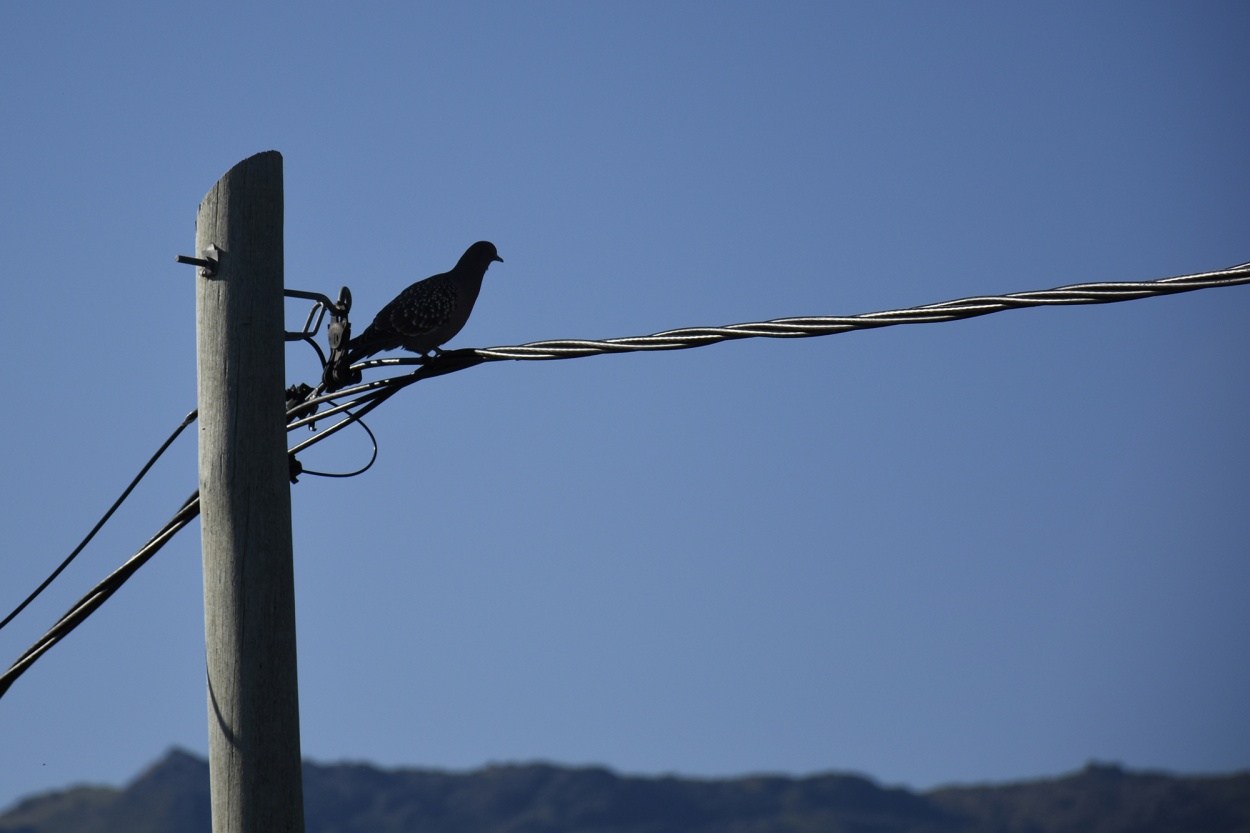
[{"x": 428, "y": 314}]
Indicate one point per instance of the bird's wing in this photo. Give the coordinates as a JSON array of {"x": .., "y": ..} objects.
[{"x": 421, "y": 308}]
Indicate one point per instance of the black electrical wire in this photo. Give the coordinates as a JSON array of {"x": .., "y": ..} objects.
[
  {"x": 372, "y": 459},
  {"x": 125, "y": 494},
  {"x": 99, "y": 594}
]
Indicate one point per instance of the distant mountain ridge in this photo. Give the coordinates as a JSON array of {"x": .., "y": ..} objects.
[{"x": 172, "y": 797}]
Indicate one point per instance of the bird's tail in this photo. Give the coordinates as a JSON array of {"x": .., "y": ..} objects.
[{"x": 364, "y": 345}]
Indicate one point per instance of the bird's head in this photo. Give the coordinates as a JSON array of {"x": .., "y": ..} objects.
[{"x": 481, "y": 254}]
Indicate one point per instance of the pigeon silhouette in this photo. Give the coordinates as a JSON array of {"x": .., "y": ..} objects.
[{"x": 429, "y": 313}]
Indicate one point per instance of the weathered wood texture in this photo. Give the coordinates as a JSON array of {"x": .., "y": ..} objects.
[{"x": 249, "y": 594}]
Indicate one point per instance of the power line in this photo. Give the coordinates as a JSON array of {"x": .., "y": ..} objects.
[
  {"x": 366, "y": 396},
  {"x": 121, "y": 498},
  {"x": 807, "y": 327},
  {"x": 99, "y": 594}
]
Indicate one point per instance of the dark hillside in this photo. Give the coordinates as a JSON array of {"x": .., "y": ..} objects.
[{"x": 172, "y": 797}]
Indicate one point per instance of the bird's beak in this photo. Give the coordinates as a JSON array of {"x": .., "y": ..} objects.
[{"x": 498, "y": 258}]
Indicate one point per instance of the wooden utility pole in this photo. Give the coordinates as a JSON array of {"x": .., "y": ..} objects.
[{"x": 245, "y": 499}]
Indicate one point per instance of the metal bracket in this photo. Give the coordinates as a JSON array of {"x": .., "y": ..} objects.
[{"x": 338, "y": 331}]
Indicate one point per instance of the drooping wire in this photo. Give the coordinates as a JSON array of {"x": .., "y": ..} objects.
[
  {"x": 372, "y": 459},
  {"x": 121, "y": 498}
]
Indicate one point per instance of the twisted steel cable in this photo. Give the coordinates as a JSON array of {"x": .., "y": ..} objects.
[{"x": 809, "y": 326}]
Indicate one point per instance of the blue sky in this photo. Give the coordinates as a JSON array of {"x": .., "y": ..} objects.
[{"x": 977, "y": 551}]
